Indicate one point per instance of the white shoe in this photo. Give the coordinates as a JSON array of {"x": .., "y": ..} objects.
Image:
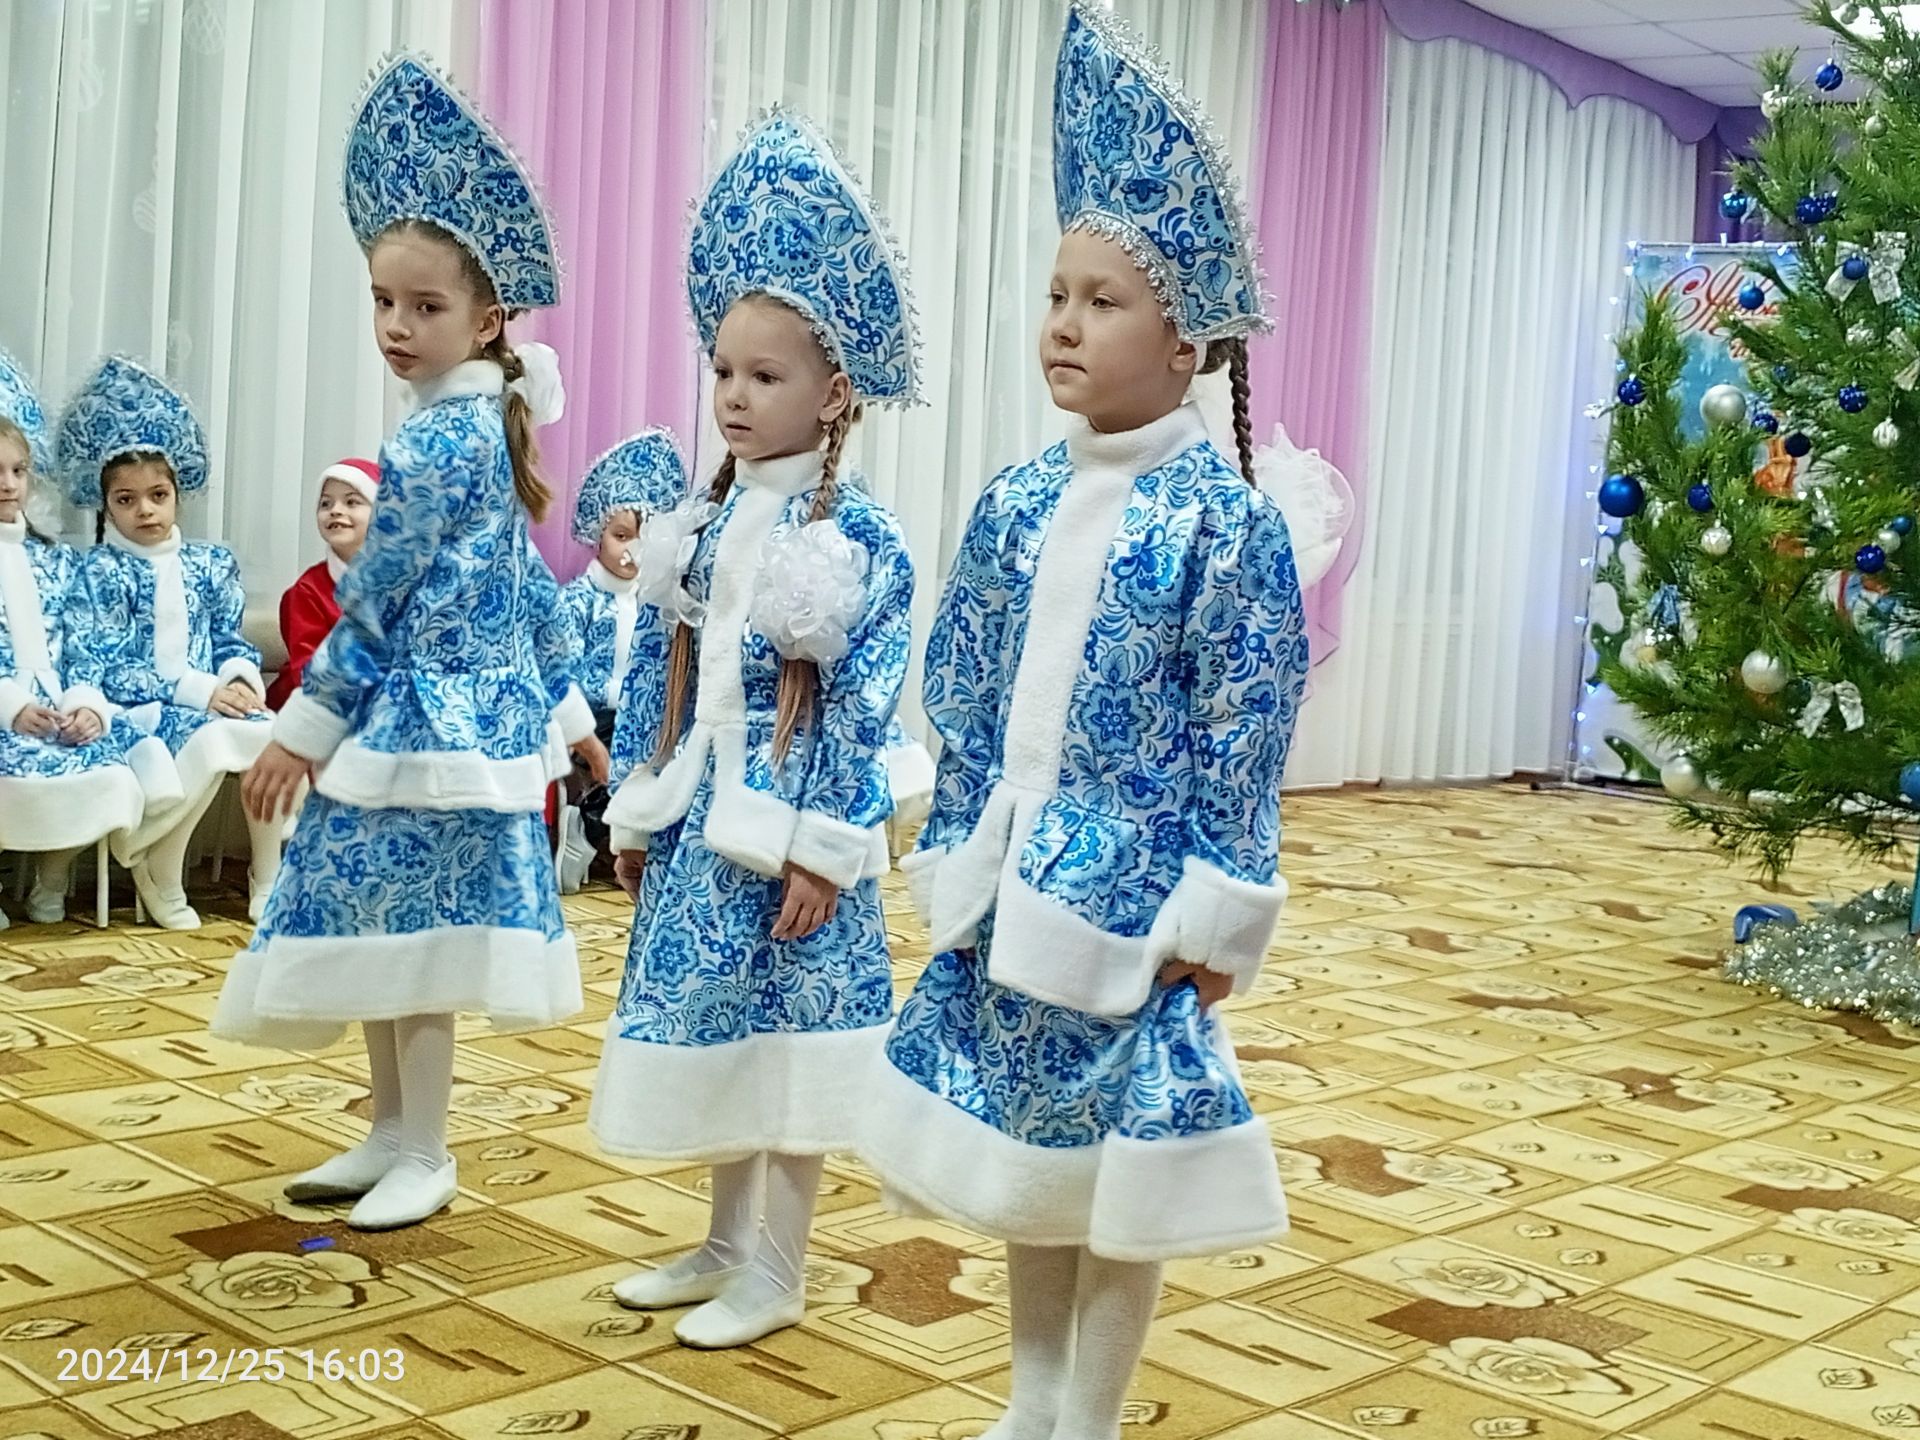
[
  {"x": 257, "y": 899},
  {"x": 4, "y": 922},
  {"x": 576, "y": 854},
  {"x": 407, "y": 1194},
  {"x": 673, "y": 1285},
  {"x": 715, "y": 1325},
  {"x": 167, "y": 906},
  {"x": 46, "y": 907},
  {"x": 346, "y": 1176}
]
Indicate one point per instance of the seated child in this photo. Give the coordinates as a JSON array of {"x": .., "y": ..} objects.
[{"x": 308, "y": 610}]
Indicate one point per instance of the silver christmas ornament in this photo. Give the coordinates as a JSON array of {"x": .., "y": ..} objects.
[
  {"x": 1886, "y": 434},
  {"x": 1764, "y": 674},
  {"x": 1888, "y": 539},
  {"x": 1899, "y": 65},
  {"x": 1681, "y": 777},
  {"x": 1723, "y": 405},
  {"x": 1716, "y": 540},
  {"x": 1862, "y": 335},
  {"x": 1875, "y": 127}
]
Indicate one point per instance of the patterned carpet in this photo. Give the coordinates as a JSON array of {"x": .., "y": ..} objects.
[{"x": 1550, "y": 1176}]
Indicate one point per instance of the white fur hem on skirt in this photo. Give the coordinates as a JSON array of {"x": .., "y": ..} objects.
[
  {"x": 301, "y": 992},
  {"x": 58, "y": 812},
  {"x": 1124, "y": 1199},
  {"x": 222, "y": 747},
  {"x": 797, "y": 1093}
]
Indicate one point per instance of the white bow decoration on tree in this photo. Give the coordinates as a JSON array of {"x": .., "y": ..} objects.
[
  {"x": 1313, "y": 495},
  {"x": 1821, "y": 700}
]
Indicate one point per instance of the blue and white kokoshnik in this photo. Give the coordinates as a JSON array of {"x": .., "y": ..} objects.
[
  {"x": 419, "y": 150},
  {"x": 643, "y": 473},
  {"x": 785, "y": 217},
  {"x": 20, "y": 404},
  {"x": 123, "y": 408},
  {"x": 1136, "y": 160}
]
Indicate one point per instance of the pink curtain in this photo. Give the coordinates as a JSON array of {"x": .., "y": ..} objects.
[
  {"x": 605, "y": 101},
  {"x": 1315, "y": 186}
]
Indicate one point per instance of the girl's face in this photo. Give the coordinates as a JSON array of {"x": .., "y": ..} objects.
[
  {"x": 1106, "y": 348},
  {"x": 620, "y": 531},
  {"x": 142, "y": 500},
  {"x": 342, "y": 515},
  {"x": 774, "y": 390},
  {"x": 426, "y": 318},
  {"x": 16, "y": 465}
]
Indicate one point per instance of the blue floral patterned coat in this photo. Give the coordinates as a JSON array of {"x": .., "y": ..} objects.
[
  {"x": 605, "y": 615},
  {"x": 448, "y": 682},
  {"x": 1110, "y": 779}
]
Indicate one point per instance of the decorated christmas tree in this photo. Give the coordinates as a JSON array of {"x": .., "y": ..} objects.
[{"x": 1767, "y": 570}]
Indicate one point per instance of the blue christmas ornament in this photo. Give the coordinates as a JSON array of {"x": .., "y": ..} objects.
[
  {"x": 1736, "y": 204},
  {"x": 1902, "y": 524},
  {"x": 1621, "y": 496},
  {"x": 1854, "y": 267},
  {"x": 1782, "y": 373},
  {"x": 1768, "y": 421},
  {"x": 1700, "y": 497},
  {"x": 1852, "y": 399},
  {"x": 1798, "y": 445},
  {"x": 1807, "y": 210},
  {"x": 1829, "y": 76},
  {"x": 1752, "y": 297},
  {"x": 1632, "y": 390},
  {"x": 1869, "y": 559},
  {"x": 1910, "y": 781}
]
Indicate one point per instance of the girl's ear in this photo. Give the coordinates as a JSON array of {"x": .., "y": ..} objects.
[
  {"x": 839, "y": 397},
  {"x": 492, "y": 321}
]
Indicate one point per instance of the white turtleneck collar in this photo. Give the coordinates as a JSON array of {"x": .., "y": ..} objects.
[
  {"x": 14, "y": 531},
  {"x": 605, "y": 579},
  {"x": 168, "y": 546},
  {"x": 1136, "y": 452},
  {"x": 336, "y": 567},
  {"x": 782, "y": 474},
  {"x": 469, "y": 377},
  {"x": 20, "y": 613}
]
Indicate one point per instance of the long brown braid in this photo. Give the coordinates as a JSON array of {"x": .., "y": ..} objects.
[
  {"x": 680, "y": 650},
  {"x": 1233, "y": 354}
]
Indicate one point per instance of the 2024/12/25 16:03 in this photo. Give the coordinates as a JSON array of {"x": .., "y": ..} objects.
[{"x": 232, "y": 1366}]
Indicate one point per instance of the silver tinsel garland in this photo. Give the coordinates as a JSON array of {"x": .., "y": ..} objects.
[{"x": 1856, "y": 956}]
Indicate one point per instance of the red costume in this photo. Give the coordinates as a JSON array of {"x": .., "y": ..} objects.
[{"x": 308, "y": 610}]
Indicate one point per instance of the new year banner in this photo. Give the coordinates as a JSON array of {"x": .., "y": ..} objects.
[{"x": 1702, "y": 284}]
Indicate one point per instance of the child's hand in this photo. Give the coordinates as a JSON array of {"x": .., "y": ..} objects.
[
  {"x": 1212, "y": 985},
  {"x": 806, "y": 903},
  {"x": 594, "y": 755},
  {"x": 81, "y": 727},
  {"x": 37, "y": 721},
  {"x": 273, "y": 781},
  {"x": 235, "y": 700},
  {"x": 627, "y": 868}
]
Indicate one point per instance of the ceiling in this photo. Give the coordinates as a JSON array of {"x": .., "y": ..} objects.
[{"x": 1705, "y": 47}]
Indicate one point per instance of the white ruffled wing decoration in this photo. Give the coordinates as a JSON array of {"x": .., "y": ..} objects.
[
  {"x": 810, "y": 591},
  {"x": 1313, "y": 495},
  {"x": 663, "y": 552},
  {"x": 540, "y": 387}
]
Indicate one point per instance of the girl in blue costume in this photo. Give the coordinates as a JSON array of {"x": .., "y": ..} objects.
[
  {"x": 758, "y": 987},
  {"x": 72, "y": 768},
  {"x": 418, "y": 881},
  {"x": 163, "y": 636},
  {"x": 1114, "y": 670},
  {"x": 639, "y": 478}
]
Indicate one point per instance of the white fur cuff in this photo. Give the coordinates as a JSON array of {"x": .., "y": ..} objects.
[
  {"x": 920, "y": 868},
  {"x": 831, "y": 849},
  {"x": 14, "y": 697},
  {"x": 87, "y": 697},
  {"x": 241, "y": 668},
  {"x": 194, "y": 689},
  {"x": 309, "y": 729},
  {"x": 621, "y": 838},
  {"x": 1219, "y": 921},
  {"x": 575, "y": 716}
]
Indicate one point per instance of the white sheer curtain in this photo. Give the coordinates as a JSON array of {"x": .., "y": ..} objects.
[
  {"x": 1503, "y": 222},
  {"x": 944, "y": 107},
  {"x": 169, "y": 173}
]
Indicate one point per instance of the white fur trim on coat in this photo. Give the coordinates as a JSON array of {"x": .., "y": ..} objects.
[
  {"x": 797, "y": 1093},
  {"x": 14, "y": 697},
  {"x": 88, "y": 697},
  {"x": 574, "y": 716},
  {"x": 443, "y": 779},
  {"x": 58, "y": 812},
  {"x": 308, "y": 728},
  {"x": 1217, "y": 920},
  {"x": 221, "y": 747},
  {"x": 241, "y": 668},
  {"x": 194, "y": 689},
  {"x": 1124, "y": 1199},
  {"x": 300, "y": 993}
]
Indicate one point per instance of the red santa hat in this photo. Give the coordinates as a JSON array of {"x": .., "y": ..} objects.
[{"x": 362, "y": 475}]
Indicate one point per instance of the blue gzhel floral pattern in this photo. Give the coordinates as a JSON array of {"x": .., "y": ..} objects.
[
  {"x": 594, "y": 617},
  {"x": 452, "y": 635},
  {"x": 1176, "y": 738},
  {"x": 21, "y": 404},
  {"x": 643, "y": 473},
  {"x": 1134, "y": 158},
  {"x": 123, "y": 407},
  {"x": 418, "y": 150},
  {"x": 783, "y": 217}
]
